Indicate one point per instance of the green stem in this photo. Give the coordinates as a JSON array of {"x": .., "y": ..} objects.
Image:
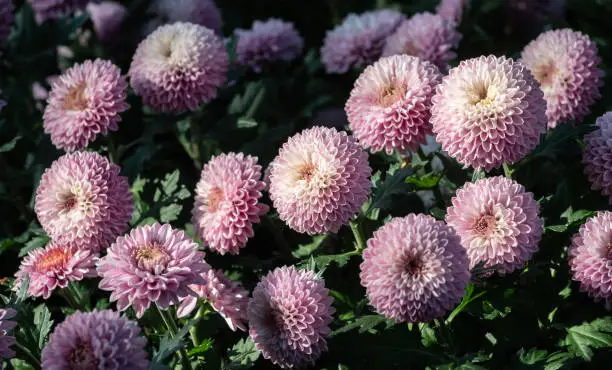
[
  {"x": 173, "y": 329},
  {"x": 32, "y": 360},
  {"x": 507, "y": 171},
  {"x": 195, "y": 143},
  {"x": 67, "y": 294},
  {"x": 359, "y": 239},
  {"x": 193, "y": 331},
  {"x": 256, "y": 102},
  {"x": 112, "y": 150}
]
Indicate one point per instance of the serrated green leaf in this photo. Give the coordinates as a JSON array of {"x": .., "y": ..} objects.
[
  {"x": 170, "y": 212},
  {"x": 427, "y": 181},
  {"x": 364, "y": 324},
  {"x": 339, "y": 259},
  {"x": 533, "y": 356},
  {"x": 557, "y": 228},
  {"x": 37, "y": 242},
  {"x": 169, "y": 345},
  {"x": 428, "y": 336},
  {"x": 557, "y": 360},
  {"x": 19, "y": 364},
  {"x": 243, "y": 353},
  {"x": 305, "y": 250},
  {"x": 393, "y": 184},
  {"x": 203, "y": 347},
  {"x": 581, "y": 339},
  {"x": 43, "y": 324},
  {"x": 22, "y": 293}
]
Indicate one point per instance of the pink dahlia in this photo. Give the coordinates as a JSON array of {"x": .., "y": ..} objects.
[
  {"x": 51, "y": 9},
  {"x": 107, "y": 17},
  {"x": 319, "y": 180},
  {"x": 85, "y": 102},
  {"x": 6, "y": 326},
  {"x": 590, "y": 258},
  {"x": 6, "y": 19},
  {"x": 95, "y": 340},
  {"x": 359, "y": 40},
  {"x": 82, "y": 201},
  {"x": 565, "y": 63},
  {"x": 269, "y": 41},
  {"x": 178, "y": 67},
  {"x": 225, "y": 296},
  {"x": 227, "y": 202},
  {"x": 414, "y": 269},
  {"x": 151, "y": 264},
  {"x": 427, "y": 36},
  {"x": 488, "y": 111},
  {"x": 389, "y": 107},
  {"x": 289, "y": 317},
  {"x": 452, "y": 10},
  {"x": 202, "y": 12},
  {"x": 598, "y": 156},
  {"x": 54, "y": 267},
  {"x": 498, "y": 223}
]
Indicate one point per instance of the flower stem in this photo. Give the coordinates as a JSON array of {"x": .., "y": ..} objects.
[
  {"x": 113, "y": 154},
  {"x": 173, "y": 329},
  {"x": 67, "y": 294},
  {"x": 193, "y": 331},
  {"x": 195, "y": 143},
  {"x": 32, "y": 360},
  {"x": 507, "y": 171},
  {"x": 359, "y": 239}
]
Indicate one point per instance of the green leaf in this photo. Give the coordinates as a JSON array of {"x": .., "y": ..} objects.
[
  {"x": 246, "y": 122},
  {"x": 339, "y": 259},
  {"x": 20, "y": 364},
  {"x": 169, "y": 345},
  {"x": 7, "y": 147},
  {"x": 558, "y": 360},
  {"x": 428, "y": 335},
  {"x": 43, "y": 324},
  {"x": 364, "y": 324},
  {"x": 203, "y": 347},
  {"x": 305, "y": 250},
  {"x": 467, "y": 298},
  {"x": 533, "y": 356},
  {"x": 427, "y": 181},
  {"x": 35, "y": 243},
  {"x": 393, "y": 184},
  {"x": 170, "y": 212},
  {"x": 243, "y": 353},
  {"x": 557, "y": 228},
  {"x": 22, "y": 293},
  {"x": 581, "y": 339}
]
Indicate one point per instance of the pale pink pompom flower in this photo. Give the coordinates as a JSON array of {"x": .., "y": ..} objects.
[
  {"x": 98, "y": 340},
  {"x": 452, "y": 10},
  {"x": 225, "y": 296},
  {"x": 590, "y": 258},
  {"x": 83, "y": 201},
  {"x": 319, "y": 180},
  {"x": 414, "y": 269},
  {"x": 498, "y": 223},
  {"x": 107, "y": 17},
  {"x": 202, "y": 12},
  {"x": 488, "y": 111},
  {"x": 389, "y": 107},
  {"x": 598, "y": 156},
  {"x": 152, "y": 264},
  {"x": 267, "y": 41},
  {"x": 178, "y": 67},
  {"x": 6, "y": 326},
  {"x": 359, "y": 40},
  {"x": 6, "y": 20},
  {"x": 84, "y": 102},
  {"x": 227, "y": 202},
  {"x": 289, "y": 316},
  {"x": 54, "y": 266},
  {"x": 566, "y": 64},
  {"x": 427, "y": 36}
]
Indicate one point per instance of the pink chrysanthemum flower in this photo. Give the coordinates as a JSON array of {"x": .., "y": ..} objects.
[
  {"x": 590, "y": 258},
  {"x": 151, "y": 264},
  {"x": 225, "y": 296},
  {"x": 498, "y": 223},
  {"x": 565, "y": 63},
  {"x": 452, "y": 10},
  {"x": 598, "y": 156},
  {"x": 289, "y": 317},
  {"x": 178, "y": 67},
  {"x": 51, "y": 9},
  {"x": 82, "y": 201},
  {"x": 6, "y": 340},
  {"x": 202, "y": 12},
  {"x": 95, "y": 340},
  {"x": 359, "y": 40},
  {"x": 107, "y": 17},
  {"x": 54, "y": 267},
  {"x": 269, "y": 41},
  {"x": 319, "y": 180},
  {"x": 488, "y": 111},
  {"x": 85, "y": 102},
  {"x": 389, "y": 107},
  {"x": 227, "y": 202},
  {"x": 6, "y": 20},
  {"x": 427, "y": 36},
  {"x": 414, "y": 269}
]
